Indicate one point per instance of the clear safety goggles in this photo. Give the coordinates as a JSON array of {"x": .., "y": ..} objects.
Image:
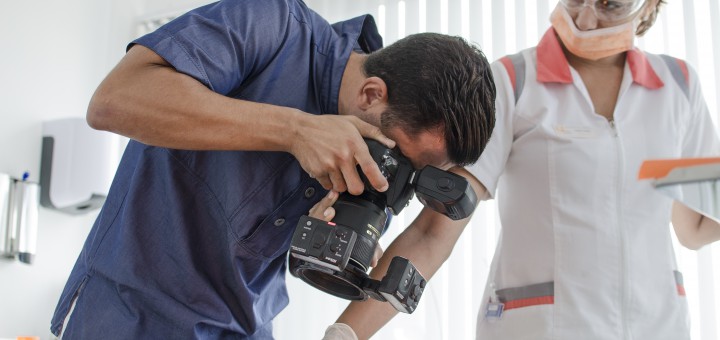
[{"x": 605, "y": 10}]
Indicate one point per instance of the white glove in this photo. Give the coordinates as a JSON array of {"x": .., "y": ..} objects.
[{"x": 339, "y": 331}]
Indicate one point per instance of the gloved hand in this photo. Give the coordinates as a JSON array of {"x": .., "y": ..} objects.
[{"x": 339, "y": 331}]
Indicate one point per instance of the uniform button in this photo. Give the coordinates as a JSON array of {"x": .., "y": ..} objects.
[
  {"x": 279, "y": 222},
  {"x": 309, "y": 192}
]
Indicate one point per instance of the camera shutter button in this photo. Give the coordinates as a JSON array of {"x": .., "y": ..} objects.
[{"x": 445, "y": 184}]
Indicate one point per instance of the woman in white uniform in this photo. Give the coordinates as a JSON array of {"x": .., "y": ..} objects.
[{"x": 586, "y": 249}]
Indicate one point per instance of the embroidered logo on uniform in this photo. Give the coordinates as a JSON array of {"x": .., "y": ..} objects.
[{"x": 575, "y": 132}]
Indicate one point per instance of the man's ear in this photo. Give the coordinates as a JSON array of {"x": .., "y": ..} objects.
[{"x": 372, "y": 92}]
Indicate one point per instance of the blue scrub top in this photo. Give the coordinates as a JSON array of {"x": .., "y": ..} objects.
[{"x": 192, "y": 244}]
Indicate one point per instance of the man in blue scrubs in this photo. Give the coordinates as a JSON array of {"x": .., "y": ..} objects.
[{"x": 243, "y": 115}]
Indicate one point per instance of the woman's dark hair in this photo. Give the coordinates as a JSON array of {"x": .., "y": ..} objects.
[{"x": 435, "y": 81}]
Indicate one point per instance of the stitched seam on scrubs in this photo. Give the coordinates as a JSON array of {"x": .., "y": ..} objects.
[
  {"x": 302, "y": 22},
  {"x": 207, "y": 189},
  {"x": 252, "y": 194},
  {"x": 247, "y": 243},
  {"x": 187, "y": 54},
  {"x": 91, "y": 258}
]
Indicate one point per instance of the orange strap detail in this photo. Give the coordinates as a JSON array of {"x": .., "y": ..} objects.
[{"x": 540, "y": 300}]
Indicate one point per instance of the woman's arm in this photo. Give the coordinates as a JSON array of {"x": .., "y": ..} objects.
[{"x": 693, "y": 230}]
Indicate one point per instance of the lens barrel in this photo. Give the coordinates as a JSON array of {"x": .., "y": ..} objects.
[{"x": 364, "y": 215}]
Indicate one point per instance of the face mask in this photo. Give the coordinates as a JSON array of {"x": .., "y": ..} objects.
[{"x": 594, "y": 44}]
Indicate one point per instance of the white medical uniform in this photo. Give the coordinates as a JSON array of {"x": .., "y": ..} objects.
[{"x": 586, "y": 251}]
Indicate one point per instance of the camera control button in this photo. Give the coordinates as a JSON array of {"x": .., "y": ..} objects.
[
  {"x": 445, "y": 184},
  {"x": 279, "y": 222},
  {"x": 417, "y": 291},
  {"x": 318, "y": 240},
  {"x": 309, "y": 192}
]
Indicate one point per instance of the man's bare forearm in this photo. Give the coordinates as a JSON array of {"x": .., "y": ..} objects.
[
  {"x": 146, "y": 99},
  {"x": 424, "y": 249}
]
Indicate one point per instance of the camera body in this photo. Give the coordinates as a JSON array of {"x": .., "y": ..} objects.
[{"x": 335, "y": 256}]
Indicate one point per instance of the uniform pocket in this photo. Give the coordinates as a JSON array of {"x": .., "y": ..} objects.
[
  {"x": 528, "y": 323},
  {"x": 271, "y": 237},
  {"x": 526, "y": 296}
]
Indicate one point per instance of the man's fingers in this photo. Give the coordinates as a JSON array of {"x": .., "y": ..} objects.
[
  {"x": 328, "y": 214},
  {"x": 323, "y": 209},
  {"x": 325, "y": 182},
  {"x": 338, "y": 182},
  {"x": 372, "y": 172},
  {"x": 372, "y": 131},
  {"x": 355, "y": 185}
]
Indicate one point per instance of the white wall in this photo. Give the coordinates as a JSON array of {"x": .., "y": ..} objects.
[{"x": 54, "y": 54}]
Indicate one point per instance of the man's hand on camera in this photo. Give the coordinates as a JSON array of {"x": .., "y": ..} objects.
[
  {"x": 323, "y": 210},
  {"x": 329, "y": 148}
]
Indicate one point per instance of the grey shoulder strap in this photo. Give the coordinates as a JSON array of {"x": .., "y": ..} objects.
[
  {"x": 679, "y": 71},
  {"x": 515, "y": 67}
]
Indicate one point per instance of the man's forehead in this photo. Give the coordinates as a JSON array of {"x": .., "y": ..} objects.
[
  {"x": 436, "y": 159},
  {"x": 422, "y": 154},
  {"x": 423, "y": 148}
]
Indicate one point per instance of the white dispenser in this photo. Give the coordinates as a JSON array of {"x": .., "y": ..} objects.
[
  {"x": 77, "y": 166},
  {"x": 7, "y": 231},
  {"x": 24, "y": 218},
  {"x": 19, "y": 208}
]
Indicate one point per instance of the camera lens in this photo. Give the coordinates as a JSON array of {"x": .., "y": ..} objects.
[
  {"x": 346, "y": 284},
  {"x": 365, "y": 215}
]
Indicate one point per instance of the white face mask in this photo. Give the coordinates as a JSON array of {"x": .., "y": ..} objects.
[{"x": 594, "y": 44}]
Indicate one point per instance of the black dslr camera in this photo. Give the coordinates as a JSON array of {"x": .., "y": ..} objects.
[{"x": 335, "y": 256}]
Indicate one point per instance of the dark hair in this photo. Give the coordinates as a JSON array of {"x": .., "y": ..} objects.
[
  {"x": 649, "y": 20},
  {"x": 435, "y": 81}
]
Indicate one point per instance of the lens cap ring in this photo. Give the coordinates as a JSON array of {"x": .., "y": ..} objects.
[{"x": 346, "y": 284}]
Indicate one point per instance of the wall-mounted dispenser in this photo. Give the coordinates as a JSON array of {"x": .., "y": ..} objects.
[
  {"x": 19, "y": 201},
  {"x": 77, "y": 166},
  {"x": 7, "y": 233},
  {"x": 24, "y": 216}
]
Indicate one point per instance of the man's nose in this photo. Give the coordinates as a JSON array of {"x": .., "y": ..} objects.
[{"x": 586, "y": 19}]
